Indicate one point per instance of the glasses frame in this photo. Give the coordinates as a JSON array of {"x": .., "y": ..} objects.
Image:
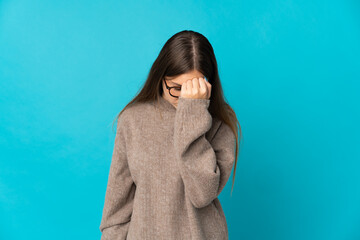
[{"x": 169, "y": 88}]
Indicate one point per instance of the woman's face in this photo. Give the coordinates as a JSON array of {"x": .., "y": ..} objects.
[{"x": 177, "y": 82}]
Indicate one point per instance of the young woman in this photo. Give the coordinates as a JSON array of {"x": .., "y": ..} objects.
[{"x": 175, "y": 146}]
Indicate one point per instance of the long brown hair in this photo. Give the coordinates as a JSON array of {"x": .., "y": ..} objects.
[{"x": 183, "y": 52}]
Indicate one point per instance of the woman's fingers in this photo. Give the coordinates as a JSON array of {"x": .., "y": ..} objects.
[
  {"x": 196, "y": 88},
  {"x": 203, "y": 88},
  {"x": 195, "y": 84},
  {"x": 208, "y": 88}
]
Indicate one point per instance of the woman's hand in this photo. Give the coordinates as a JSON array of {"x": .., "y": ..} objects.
[{"x": 196, "y": 88}]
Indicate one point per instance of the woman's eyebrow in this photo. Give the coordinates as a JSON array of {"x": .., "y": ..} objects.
[{"x": 175, "y": 83}]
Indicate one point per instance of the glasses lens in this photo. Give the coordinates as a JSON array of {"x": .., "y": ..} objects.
[{"x": 175, "y": 91}]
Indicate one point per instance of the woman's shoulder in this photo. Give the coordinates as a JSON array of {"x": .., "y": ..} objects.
[
  {"x": 215, "y": 125},
  {"x": 135, "y": 111},
  {"x": 220, "y": 129}
]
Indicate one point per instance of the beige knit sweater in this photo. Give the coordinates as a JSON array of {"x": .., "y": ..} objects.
[{"x": 168, "y": 168}]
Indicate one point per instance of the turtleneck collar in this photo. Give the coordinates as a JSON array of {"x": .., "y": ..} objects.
[{"x": 165, "y": 104}]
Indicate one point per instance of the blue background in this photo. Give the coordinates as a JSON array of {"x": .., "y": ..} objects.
[{"x": 290, "y": 69}]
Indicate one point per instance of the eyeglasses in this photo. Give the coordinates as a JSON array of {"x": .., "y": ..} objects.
[{"x": 173, "y": 91}]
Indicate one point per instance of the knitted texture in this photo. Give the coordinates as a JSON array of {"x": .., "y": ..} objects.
[{"x": 168, "y": 167}]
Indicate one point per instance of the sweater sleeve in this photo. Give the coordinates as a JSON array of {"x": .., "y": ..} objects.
[
  {"x": 205, "y": 167},
  {"x": 120, "y": 191}
]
